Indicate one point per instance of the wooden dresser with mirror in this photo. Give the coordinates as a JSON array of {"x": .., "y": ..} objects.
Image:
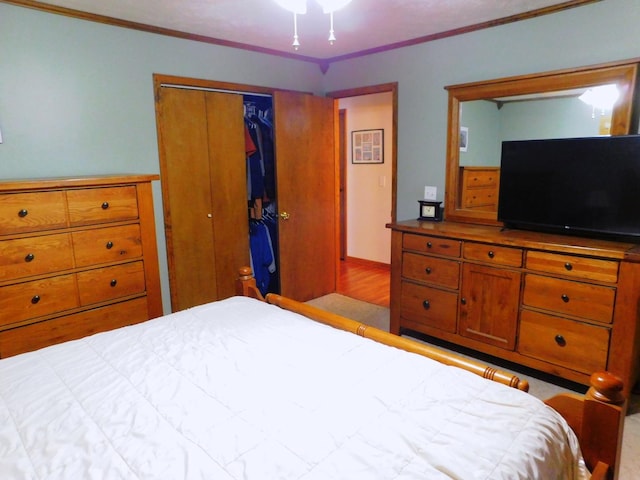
[{"x": 559, "y": 304}]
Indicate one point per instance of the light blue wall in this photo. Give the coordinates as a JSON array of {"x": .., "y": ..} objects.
[
  {"x": 595, "y": 33},
  {"x": 489, "y": 126},
  {"x": 76, "y": 97},
  {"x": 482, "y": 118}
]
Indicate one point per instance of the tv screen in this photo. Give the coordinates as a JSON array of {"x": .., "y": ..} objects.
[{"x": 584, "y": 186}]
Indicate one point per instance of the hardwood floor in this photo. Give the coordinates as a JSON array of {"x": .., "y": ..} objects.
[{"x": 366, "y": 281}]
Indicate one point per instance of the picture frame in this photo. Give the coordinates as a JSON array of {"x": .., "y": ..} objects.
[
  {"x": 367, "y": 146},
  {"x": 464, "y": 139}
]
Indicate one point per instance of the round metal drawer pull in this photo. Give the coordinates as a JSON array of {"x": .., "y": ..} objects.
[
  {"x": 35, "y": 299},
  {"x": 568, "y": 266},
  {"x": 23, "y": 213},
  {"x": 560, "y": 340},
  {"x": 463, "y": 301},
  {"x": 29, "y": 257},
  {"x": 565, "y": 298},
  {"x": 428, "y": 270},
  {"x": 109, "y": 245},
  {"x": 426, "y": 305},
  {"x": 429, "y": 244},
  {"x": 113, "y": 282},
  {"x": 491, "y": 254},
  {"x": 105, "y": 205}
]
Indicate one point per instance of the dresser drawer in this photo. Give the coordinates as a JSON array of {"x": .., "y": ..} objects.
[
  {"x": 25, "y": 257},
  {"x": 58, "y": 330},
  {"x": 98, "y": 205},
  {"x": 507, "y": 256},
  {"x": 572, "y": 266},
  {"x": 474, "y": 177},
  {"x": 429, "y": 306},
  {"x": 108, "y": 283},
  {"x": 479, "y": 197},
  {"x": 32, "y": 212},
  {"x": 433, "y": 270},
  {"x": 435, "y": 245},
  {"x": 584, "y": 300},
  {"x": 37, "y": 298},
  {"x": 562, "y": 342},
  {"x": 102, "y": 245}
]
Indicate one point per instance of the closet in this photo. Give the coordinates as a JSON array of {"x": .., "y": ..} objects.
[{"x": 209, "y": 208}]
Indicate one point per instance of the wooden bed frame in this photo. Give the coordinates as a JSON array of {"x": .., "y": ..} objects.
[{"x": 596, "y": 417}]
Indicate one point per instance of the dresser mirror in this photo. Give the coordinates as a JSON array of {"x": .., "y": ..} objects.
[{"x": 545, "y": 105}]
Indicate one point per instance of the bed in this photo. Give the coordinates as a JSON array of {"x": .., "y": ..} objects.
[{"x": 250, "y": 389}]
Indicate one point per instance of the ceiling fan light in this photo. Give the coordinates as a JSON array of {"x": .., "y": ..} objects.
[
  {"x": 329, "y": 6},
  {"x": 603, "y": 97},
  {"x": 295, "y": 6},
  {"x": 332, "y": 36}
]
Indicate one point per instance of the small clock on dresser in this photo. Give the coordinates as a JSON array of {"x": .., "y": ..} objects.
[{"x": 430, "y": 210}]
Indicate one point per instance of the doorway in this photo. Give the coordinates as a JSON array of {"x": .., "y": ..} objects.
[{"x": 367, "y": 191}]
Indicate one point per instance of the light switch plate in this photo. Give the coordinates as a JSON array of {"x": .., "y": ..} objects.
[{"x": 430, "y": 192}]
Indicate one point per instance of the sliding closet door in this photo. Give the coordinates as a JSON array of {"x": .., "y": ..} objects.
[
  {"x": 201, "y": 139},
  {"x": 306, "y": 181}
]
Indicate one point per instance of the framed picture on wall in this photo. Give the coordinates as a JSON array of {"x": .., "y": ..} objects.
[
  {"x": 367, "y": 146},
  {"x": 464, "y": 139}
]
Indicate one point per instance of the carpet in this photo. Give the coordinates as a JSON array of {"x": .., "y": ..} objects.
[{"x": 364, "y": 312}]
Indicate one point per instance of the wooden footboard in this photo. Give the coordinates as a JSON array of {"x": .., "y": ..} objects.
[{"x": 597, "y": 417}]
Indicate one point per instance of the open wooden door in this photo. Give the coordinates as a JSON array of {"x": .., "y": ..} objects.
[{"x": 306, "y": 172}]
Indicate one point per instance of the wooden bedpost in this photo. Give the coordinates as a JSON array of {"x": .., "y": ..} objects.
[
  {"x": 597, "y": 418},
  {"x": 246, "y": 284}
]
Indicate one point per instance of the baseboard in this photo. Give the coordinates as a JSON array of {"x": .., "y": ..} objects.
[{"x": 368, "y": 263}]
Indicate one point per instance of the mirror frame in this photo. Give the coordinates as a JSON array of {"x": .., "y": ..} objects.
[{"x": 624, "y": 74}]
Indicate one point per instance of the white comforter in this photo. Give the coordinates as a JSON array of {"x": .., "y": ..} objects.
[{"x": 239, "y": 389}]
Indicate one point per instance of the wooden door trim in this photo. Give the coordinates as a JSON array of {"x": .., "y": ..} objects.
[
  {"x": 381, "y": 88},
  {"x": 342, "y": 184}
]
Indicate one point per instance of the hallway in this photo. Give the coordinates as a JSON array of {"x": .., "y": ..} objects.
[{"x": 366, "y": 281}]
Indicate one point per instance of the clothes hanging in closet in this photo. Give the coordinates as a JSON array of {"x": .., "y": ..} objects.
[{"x": 261, "y": 190}]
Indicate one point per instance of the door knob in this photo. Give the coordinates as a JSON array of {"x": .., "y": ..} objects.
[{"x": 284, "y": 216}]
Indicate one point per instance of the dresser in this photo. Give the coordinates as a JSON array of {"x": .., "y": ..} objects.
[
  {"x": 77, "y": 256},
  {"x": 563, "y": 305},
  {"x": 479, "y": 187}
]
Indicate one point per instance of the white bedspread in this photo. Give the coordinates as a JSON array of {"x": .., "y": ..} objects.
[{"x": 239, "y": 389}]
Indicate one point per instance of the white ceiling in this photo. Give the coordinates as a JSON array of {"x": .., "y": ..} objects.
[{"x": 360, "y": 26}]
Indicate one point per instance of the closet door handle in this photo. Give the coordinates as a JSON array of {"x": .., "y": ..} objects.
[{"x": 284, "y": 216}]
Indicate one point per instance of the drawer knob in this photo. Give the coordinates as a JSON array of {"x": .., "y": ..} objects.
[
  {"x": 109, "y": 245},
  {"x": 23, "y": 213},
  {"x": 565, "y": 298},
  {"x": 463, "y": 301},
  {"x": 429, "y": 244},
  {"x": 29, "y": 257},
  {"x": 428, "y": 270},
  {"x": 491, "y": 254},
  {"x": 426, "y": 305},
  {"x": 105, "y": 205},
  {"x": 35, "y": 299},
  {"x": 568, "y": 266},
  {"x": 560, "y": 340},
  {"x": 113, "y": 282}
]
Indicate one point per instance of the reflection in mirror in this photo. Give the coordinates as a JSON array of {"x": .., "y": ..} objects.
[
  {"x": 562, "y": 114},
  {"x": 546, "y": 105}
]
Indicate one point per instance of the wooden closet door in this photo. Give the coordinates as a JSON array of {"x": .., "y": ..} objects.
[
  {"x": 203, "y": 179},
  {"x": 306, "y": 174}
]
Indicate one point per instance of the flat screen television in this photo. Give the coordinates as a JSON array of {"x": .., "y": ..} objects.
[{"x": 582, "y": 186}]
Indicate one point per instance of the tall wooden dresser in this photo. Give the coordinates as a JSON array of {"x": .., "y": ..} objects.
[{"x": 77, "y": 256}]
